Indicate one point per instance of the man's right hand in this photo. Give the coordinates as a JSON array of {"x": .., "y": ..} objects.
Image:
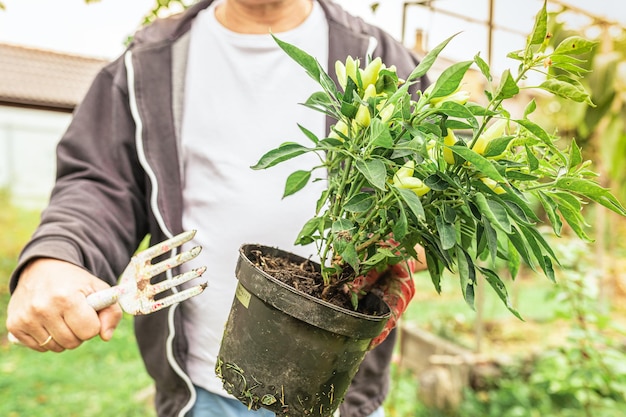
[{"x": 51, "y": 300}]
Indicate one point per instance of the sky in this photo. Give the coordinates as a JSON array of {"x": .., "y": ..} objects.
[{"x": 99, "y": 29}]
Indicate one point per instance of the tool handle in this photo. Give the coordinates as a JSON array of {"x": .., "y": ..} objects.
[{"x": 98, "y": 300}]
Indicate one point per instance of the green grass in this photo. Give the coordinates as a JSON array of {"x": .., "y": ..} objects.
[{"x": 97, "y": 379}]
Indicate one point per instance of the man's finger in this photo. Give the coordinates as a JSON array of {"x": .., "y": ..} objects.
[{"x": 109, "y": 319}]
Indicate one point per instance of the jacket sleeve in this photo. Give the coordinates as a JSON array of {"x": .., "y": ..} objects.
[{"x": 96, "y": 215}]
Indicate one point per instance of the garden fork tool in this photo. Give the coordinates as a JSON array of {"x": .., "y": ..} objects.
[{"x": 135, "y": 294}]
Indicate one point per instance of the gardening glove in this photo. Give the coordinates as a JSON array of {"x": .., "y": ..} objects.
[{"x": 395, "y": 286}]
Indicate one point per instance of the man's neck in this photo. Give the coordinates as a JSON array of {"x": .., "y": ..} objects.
[{"x": 262, "y": 16}]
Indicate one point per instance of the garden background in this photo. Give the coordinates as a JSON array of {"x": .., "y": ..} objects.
[{"x": 568, "y": 358}]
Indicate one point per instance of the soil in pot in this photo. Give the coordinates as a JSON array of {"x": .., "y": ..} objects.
[{"x": 286, "y": 350}]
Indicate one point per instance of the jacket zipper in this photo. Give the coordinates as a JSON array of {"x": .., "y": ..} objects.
[{"x": 134, "y": 109}]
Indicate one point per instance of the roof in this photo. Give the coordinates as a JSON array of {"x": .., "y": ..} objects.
[{"x": 37, "y": 78}]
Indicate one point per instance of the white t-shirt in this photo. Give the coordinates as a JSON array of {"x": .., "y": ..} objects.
[{"x": 242, "y": 98}]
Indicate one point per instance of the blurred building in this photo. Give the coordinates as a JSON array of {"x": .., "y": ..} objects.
[{"x": 39, "y": 89}]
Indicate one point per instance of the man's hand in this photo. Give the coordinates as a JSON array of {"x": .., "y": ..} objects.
[
  {"x": 395, "y": 286},
  {"x": 50, "y": 300}
]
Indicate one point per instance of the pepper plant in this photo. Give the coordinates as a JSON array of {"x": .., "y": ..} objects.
[{"x": 432, "y": 168}]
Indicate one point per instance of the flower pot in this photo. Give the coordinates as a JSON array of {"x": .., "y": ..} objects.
[{"x": 287, "y": 351}]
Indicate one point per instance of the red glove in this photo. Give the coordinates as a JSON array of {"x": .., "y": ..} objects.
[{"x": 395, "y": 286}]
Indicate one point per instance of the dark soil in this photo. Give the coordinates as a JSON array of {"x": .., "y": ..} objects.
[{"x": 305, "y": 277}]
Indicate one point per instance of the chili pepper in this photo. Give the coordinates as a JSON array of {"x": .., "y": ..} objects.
[
  {"x": 494, "y": 131},
  {"x": 449, "y": 140},
  {"x": 493, "y": 185},
  {"x": 458, "y": 96},
  {"x": 404, "y": 178},
  {"x": 340, "y": 127},
  {"x": 347, "y": 70},
  {"x": 362, "y": 117},
  {"x": 370, "y": 74}
]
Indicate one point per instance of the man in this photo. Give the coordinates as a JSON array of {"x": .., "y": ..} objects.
[{"x": 162, "y": 143}]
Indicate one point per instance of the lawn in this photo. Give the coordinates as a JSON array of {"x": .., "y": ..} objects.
[{"x": 98, "y": 379}]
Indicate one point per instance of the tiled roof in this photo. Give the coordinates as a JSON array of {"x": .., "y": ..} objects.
[{"x": 44, "y": 79}]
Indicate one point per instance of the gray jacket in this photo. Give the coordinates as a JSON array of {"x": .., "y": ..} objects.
[{"x": 119, "y": 178}]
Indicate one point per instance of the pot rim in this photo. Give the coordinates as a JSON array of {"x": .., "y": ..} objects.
[{"x": 335, "y": 318}]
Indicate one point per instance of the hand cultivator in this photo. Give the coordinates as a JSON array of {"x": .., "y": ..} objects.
[{"x": 135, "y": 294}]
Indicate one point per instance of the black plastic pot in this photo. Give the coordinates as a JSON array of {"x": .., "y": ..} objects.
[{"x": 287, "y": 351}]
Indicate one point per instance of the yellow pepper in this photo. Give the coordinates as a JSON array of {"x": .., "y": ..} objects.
[
  {"x": 493, "y": 185},
  {"x": 458, "y": 96},
  {"x": 449, "y": 140},
  {"x": 348, "y": 70},
  {"x": 370, "y": 74},
  {"x": 404, "y": 178},
  {"x": 341, "y": 127},
  {"x": 385, "y": 111},
  {"x": 494, "y": 131},
  {"x": 362, "y": 117}
]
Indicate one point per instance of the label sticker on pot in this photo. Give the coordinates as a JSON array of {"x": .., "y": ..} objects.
[{"x": 242, "y": 295}]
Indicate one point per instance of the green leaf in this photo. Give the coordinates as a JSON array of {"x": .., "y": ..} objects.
[
  {"x": 350, "y": 255},
  {"x": 496, "y": 146},
  {"x": 542, "y": 135},
  {"x": 359, "y": 203},
  {"x": 570, "y": 90},
  {"x": 550, "y": 207},
  {"x": 533, "y": 162},
  {"x": 387, "y": 82},
  {"x": 478, "y": 110},
  {"x": 381, "y": 138},
  {"x": 309, "y": 134},
  {"x": 575, "y": 155},
  {"x": 467, "y": 274},
  {"x": 435, "y": 269},
  {"x": 574, "y": 45},
  {"x": 452, "y": 109},
  {"x": 498, "y": 286},
  {"x": 484, "y": 67},
  {"x": 296, "y": 181},
  {"x": 438, "y": 181},
  {"x": 305, "y": 60},
  {"x": 491, "y": 237},
  {"x": 535, "y": 249},
  {"x": 482, "y": 164},
  {"x": 521, "y": 202},
  {"x": 428, "y": 60},
  {"x": 447, "y": 232},
  {"x": 450, "y": 79},
  {"x": 540, "y": 29},
  {"x": 530, "y": 108},
  {"x": 520, "y": 176},
  {"x": 592, "y": 191},
  {"x": 341, "y": 225},
  {"x": 400, "y": 226},
  {"x": 319, "y": 101},
  {"x": 508, "y": 87},
  {"x": 308, "y": 230},
  {"x": 542, "y": 241},
  {"x": 413, "y": 202},
  {"x": 571, "y": 212},
  {"x": 519, "y": 244},
  {"x": 569, "y": 64},
  {"x": 283, "y": 153},
  {"x": 374, "y": 171},
  {"x": 513, "y": 260},
  {"x": 494, "y": 212}
]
